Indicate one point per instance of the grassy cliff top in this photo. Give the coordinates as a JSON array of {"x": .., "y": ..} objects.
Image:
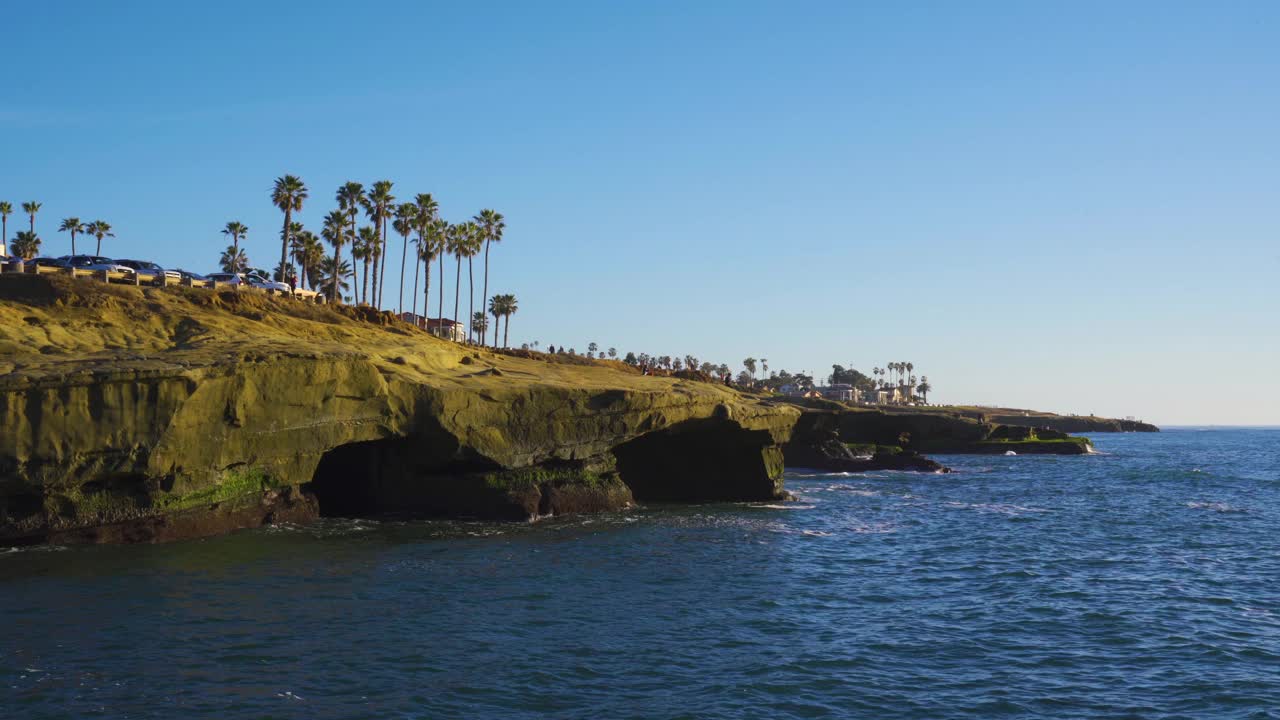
[{"x": 53, "y": 328}]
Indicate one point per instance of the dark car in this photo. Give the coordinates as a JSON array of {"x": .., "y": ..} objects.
[
  {"x": 150, "y": 268},
  {"x": 44, "y": 262},
  {"x": 188, "y": 275}
]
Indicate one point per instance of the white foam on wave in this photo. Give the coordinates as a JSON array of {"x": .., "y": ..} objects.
[{"x": 1216, "y": 507}]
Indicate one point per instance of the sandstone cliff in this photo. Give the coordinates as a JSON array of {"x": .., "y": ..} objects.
[{"x": 148, "y": 413}]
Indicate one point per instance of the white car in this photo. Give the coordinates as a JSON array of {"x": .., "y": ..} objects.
[
  {"x": 250, "y": 280},
  {"x": 95, "y": 262},
  {"x": 261, "y": 282}
]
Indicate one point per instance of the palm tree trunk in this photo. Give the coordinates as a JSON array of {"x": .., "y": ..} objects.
[
  {"x": 364, "y": 283},
  {"x": 404, "y": 255},
  {"x": 471, "y": 295},
  {"x": 73, "y": 242},
  {"x": 426, "y": 288},
  {"x": 333, "y": 291},
  {"x": 374, "y": 259},
  {"x": 457, "y": 293},
  {"x": 382, "y": 262},
  {"x": 99, "y": 246},
  {"x": 484, "y": 298},
  {"x": 4, "y": 234},
  {"x": 413, "y": 297},
  {"x": 505, "y": 330},
  {"x": 441, "y": 308},
  {"x": 284, "y": 241}
]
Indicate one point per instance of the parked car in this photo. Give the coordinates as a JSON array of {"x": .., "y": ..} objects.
[
  {"x": 44, "y": 262},
  {"x": 150, "y": 268},
  {"x": 265, "y": 281},
  {"x": 261, "y": 281},
  {"x": 188, "y": 275},
  {"x": 250, "y": 280},
  {"x": 228, "y": 278},
  {"x": 95, "y": 262}
]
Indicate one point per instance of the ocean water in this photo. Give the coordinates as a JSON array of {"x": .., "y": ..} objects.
[{"x": 1143, "y": 582}]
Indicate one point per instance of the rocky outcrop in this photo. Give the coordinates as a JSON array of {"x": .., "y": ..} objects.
[
  {"x": 831, "y": 455},
  {"x": 909, "y": 431},
  {"x": 151, "y": 414}
]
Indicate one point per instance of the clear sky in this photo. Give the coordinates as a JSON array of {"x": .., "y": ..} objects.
[{"x": 1072, "y": 206}]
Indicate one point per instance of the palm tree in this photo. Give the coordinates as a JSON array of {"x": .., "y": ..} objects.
[
  {"x": 495, "y": 309},
  {"x": 31, "y": 208},
  {"x": 233, "y": 260},
  {"x": 288, "y": 194},
  {"x": 424, "y": 223},
  {"x": 925, "y": 387},
  {"x": 73, "y": 226},
  {"x": 334, "y": 283},
  {"x": 479, "y": 323},
  {"x": 377, "y": 205},
  {"x": 99, "y": 229},
  {"x": 6, "y": 209},
  {"x": 473, "y": 249},
  {"x": 506, "y": 306},
  {"x": 295, "y": 229},
  {"x": 442, "y": 229},
  {"x": 350, "y": 198},
  {"x": 334, "y": 232},
  {"x": 235, "y": 230},
  {"x": 491, "y": 225},
  {"x": 306, "y": 252},
  {"x": 26, "y": 244},
  {"x": 367, "y": 244},
  {"x": 406, "y": 219},
  {"x": 457, "y": 247}
]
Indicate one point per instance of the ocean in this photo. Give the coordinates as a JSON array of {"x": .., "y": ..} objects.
[{"x": 1141, "y": 582}]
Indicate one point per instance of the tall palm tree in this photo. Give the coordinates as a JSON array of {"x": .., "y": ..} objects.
[
  {"x": 6, "y": 209},
  {"x": 235, "y": 230},
  {"x": 26, "y": 244},
  {"x": 377, "y": 206},
  {"x": 442, "y": 230},
  {"x": 406, "y": 218},
  {"x": 31, "y": 208},
  {"x": 425, "y": 223},
  {"x": 73, "y": 226},
  {"x": 334, "y": 231},
  {"x": 350, "y": 197},
  {"x": 459, "y": 243},
  {"x": 367, "y": 241},
  {"x": 288, "y": 195},
  {"x": 473, "y": 249},
  {"x": 99, "y": 229},
  {"x": 233, "y": 260},
  {"x": 491, "y": 225}
]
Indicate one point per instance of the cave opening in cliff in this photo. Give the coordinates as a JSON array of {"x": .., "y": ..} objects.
[
  {"x": 410, "y": 476},
  {"x": 700, "y": 461}
]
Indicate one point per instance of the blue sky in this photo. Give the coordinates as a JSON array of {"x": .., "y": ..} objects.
[{"x": 1069, "y": 206}]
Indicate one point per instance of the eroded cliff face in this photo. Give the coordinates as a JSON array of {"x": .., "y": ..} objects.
[{"x": 144, "y": 414}]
